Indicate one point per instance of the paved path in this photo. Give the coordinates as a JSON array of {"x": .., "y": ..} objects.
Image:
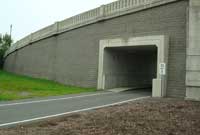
[{"x": 12, "y": 113}]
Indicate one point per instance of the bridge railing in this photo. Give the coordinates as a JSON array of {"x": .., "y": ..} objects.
[
  {"x": 80, "y": 19},
  {"x": 103, "y": 12},
  {"x": 43, "y": 33}
]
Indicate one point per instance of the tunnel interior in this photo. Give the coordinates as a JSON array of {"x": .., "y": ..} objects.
[{"x": 133, "y": 66}]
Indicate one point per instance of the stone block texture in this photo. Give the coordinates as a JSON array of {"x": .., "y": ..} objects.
[{"x": 72, "y": 57}]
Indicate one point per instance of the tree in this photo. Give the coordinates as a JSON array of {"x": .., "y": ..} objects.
[{"x": 5, "y": 43}]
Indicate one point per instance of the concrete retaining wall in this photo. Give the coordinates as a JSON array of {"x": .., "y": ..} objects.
[{"x": 71, "y": 57}]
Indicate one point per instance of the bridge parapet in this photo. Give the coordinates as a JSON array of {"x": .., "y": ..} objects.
[
  {"x": 81, "y": 19},
  {"x": 114, "y": 9},
  {"x": 43, "y": 33}
]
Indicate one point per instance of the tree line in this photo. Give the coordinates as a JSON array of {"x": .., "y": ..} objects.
[{"x": 5, "y": 42}]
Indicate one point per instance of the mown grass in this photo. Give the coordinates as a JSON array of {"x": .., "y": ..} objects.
[{"x": 14, "y": 87}]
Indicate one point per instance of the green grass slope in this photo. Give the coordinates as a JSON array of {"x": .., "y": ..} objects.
[{"x": 13, "y": 87}]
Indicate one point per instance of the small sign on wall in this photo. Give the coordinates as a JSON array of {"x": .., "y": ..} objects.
[{"x": 162, "y": 68}]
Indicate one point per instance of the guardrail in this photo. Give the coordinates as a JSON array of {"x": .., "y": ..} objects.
[{"x": 114, "y": 9}]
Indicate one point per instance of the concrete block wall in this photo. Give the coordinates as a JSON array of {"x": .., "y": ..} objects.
[
  {"x": 37, "y": 60},
  {"x": 71, "y": 57},
  {"x": 114, "y": 9}
]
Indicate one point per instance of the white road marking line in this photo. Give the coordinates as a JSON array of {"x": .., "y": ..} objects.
[
  {"x": 55, "y": 99},
  {"x": 76, "y": 111}
]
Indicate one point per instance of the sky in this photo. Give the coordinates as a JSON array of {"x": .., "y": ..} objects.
[{"x": 28, "y": 16}]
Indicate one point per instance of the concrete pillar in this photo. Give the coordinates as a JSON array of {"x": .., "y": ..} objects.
[{"x": 193, "y": 52}]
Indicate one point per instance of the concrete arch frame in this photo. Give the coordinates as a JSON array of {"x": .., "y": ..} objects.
[{"x": 162, "y": 44}]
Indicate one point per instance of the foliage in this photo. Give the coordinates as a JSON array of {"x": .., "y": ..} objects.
[{"x": 5, "y": 43}]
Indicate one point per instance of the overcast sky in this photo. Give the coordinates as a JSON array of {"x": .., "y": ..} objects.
[{"x": 28, "y": 16}]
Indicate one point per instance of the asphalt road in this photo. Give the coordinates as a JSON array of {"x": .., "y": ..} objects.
[{"x": 12, "y": 113}]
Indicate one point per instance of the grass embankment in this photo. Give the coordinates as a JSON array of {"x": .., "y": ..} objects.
[{"x": 13, "y": 87}]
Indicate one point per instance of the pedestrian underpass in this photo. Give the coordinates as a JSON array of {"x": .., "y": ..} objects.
[
  {"x": 130, "y": 67},
  {"x": 137, "y": 62}
]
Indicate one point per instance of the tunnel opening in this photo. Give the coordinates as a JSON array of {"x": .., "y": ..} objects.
[{"x": 132, "y": 67}]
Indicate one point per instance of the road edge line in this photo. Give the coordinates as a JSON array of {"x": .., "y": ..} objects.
[
  {"x": 71, "y": 112},
  {"x": 54, "y": 99}
]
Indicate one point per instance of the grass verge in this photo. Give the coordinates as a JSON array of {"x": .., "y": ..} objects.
[{"x": 14, "y": 87}]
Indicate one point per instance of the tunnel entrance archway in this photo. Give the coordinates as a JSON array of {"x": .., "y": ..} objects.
[{"x": 117, "y": 70}]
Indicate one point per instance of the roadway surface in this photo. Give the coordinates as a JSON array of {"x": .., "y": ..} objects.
[{"x": 12, "y": 113}]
